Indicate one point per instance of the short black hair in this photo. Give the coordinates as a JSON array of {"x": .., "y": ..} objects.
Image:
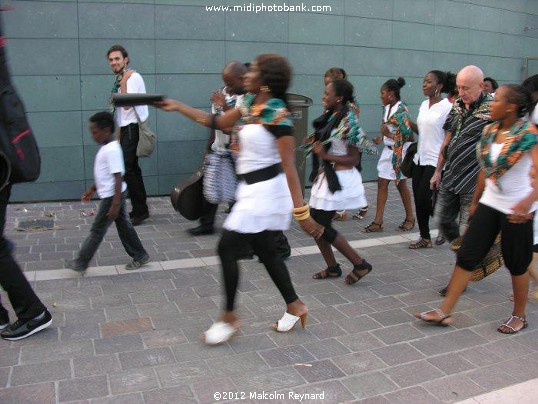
[
  {"x": 394, "y": 85},
  {"x": 103, "y": 120},
  {"x": 344, "y": 89},
  {"x": 118, "y": 48},
  {"x": 493, "y": 82},
  {"x": 520, "y": 96}
]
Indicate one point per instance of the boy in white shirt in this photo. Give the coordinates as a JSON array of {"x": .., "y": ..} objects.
[{"x": 108, "y": 182}]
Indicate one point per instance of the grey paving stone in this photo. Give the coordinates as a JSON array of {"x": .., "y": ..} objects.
[
  {"x": 199, "y": 350},
  {"x": 360, "y": 342},
  {"x": 528, "y": 338},
  {"x": 251, "y": 343},
  {"x": 523, "y": 368},
  {"x": 326, "y": 314},
  {"x": 514, "y": 348},
  {"x": 160, "y": 338},
  {"x": 101, "y": 302},
  {"x": 326, "y": 348},
  {"x": 480, "y": 357},
  {"x": 359, "y": 362},
  {"x": 205, "y": 391},
  {"x": 331, "y": 299},
  {"x": 74, "y": 304},
  {"x": 492, "y": 377},
  {"x": 43, "y": 393},
  {"x": 354, "y": 309},
  {"x": 9, "y": 356},
  {"x": 286, "y": 356},
  {"x": 398, "y": 354},
  {"x": 320, "y": 370},
  {"x": 412, "y": 395},
  {"x": 122, "y": 343},
  {"x": 120, "y": 313},
  {"x": 183, "y": 373},
  {"x": 295, "y": 337},
  {"x": 40, "y": 372},
  {"x": 368, "y": 385},
  {"x": 96, "y": 365},
  {"x": 439, "y": 344},
  {"x": 180, "y": 394},
  {"x": 83, "y": 388},
  {"x": 389, "y": 290},
  {"x": 384, "y": 303},
  {"x": 133, "y": 381},
  {"x": 397, "y": 333},
  {"x": 56, "y": 351},
  {"x": 83, "y": 291},
  {"x": 268, "y": 380},
  {"x": 178, "y": 294},
  {"x": 147, "y": 357},
  {"x": 84, "y": 317},
  {"x": 451, "y": 363},
  {"x": 79, "y": 332},
  {"x": 326, "y": 330},
  {"x": 392, "y": 317},
  {"x": 135, "y": 398},
  {"x": 413, "y": 373},
  {"x": 358, "y": 324},
  {"x": 453, "y": 388}
]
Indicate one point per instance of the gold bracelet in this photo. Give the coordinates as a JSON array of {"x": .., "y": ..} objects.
[
  {"x": 303, "y": 216},
  {"x": 301, "y": 209}
]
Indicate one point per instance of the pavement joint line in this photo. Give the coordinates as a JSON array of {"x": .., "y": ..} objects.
[{"x": 186, "y": 263}]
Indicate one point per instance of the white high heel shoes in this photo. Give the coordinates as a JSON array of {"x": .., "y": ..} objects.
[{"x": 288, "y": 321}]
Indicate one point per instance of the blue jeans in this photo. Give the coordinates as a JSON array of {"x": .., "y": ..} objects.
[{"x": 128, "y": 236}]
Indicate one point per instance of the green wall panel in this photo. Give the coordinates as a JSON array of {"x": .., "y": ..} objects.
[{"x": 57, "y": 54}]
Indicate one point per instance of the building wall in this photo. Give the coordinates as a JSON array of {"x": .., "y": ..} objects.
[{"x": 57, "y": 57}]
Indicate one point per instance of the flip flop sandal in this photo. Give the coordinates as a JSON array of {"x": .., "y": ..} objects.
[
  {"x": 444, "y": 320},
  {"x": 219, "y": 333},
  {"x": 360, "y": 214},
  {"x": 373, "y": 228},
  {"x": 288, "y": 321},
  {"x": 329, "y": 272},
  {"x": 422, "y": 243},
  {"x": 403, "y": 226},
  {"x": 354, "y": 276},
  {"x": 512, "y": 329},
  {"x": 440, "y": 240}
]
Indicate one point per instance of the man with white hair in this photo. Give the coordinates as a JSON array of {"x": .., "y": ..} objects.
[{"x": 469, "y": 115}]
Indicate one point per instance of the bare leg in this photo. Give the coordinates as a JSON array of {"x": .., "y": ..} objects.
[
  {"x": 382, "y": 195},
  {"x": 406, "y": 199},
  {"x": 297, "y": 308},
  {"x": 341, "y": 244},
  {"x": 326, "y": 252},
  {"x": 231, "y": 318}
]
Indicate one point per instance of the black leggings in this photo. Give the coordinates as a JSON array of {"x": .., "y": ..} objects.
[
  {"x": 325, "y": 218},
  {"x": 485, "y": 225},
  {"x": 423, "y": 198},
  {"x": 231, "y": 246}
]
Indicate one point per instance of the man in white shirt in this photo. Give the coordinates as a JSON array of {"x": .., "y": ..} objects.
[{"x": 129, "y": 81}]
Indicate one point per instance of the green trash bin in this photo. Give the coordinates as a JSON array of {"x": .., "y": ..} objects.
[{"x": 299, "y": 111}]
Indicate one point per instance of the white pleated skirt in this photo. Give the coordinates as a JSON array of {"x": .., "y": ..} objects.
[
  {"x": 385, "y": 169},
  {"x": 352, "y": 195},
  {"x": 265, "y": 205}
]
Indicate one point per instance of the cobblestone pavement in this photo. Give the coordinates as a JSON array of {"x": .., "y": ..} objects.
[{"x": 133, "y": 337}]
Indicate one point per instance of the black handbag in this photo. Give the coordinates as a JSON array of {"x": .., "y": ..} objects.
[
  {"x": 408, "y": 164},
  {"x": 187, "y": 196}
]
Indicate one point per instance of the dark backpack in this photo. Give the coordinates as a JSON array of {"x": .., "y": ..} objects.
[{"x": 19, "y": 152}]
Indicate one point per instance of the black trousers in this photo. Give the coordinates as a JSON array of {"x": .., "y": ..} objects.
[
  {"x": 516, "y": 240},
  {"x": 325, "y": 218},
  {"x": 133, "y": 173},
  {"x": 209, "y": 212},
  {"x": 423, "y": 198},
  {"x": 230, "y": 248},
  {"x": 23, "y": 298}
]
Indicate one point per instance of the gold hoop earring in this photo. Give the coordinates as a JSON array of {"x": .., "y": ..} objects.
[{"x": 265, "y": 89}]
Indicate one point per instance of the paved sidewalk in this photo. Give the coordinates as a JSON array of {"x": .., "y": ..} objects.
[{"x": 133, "y": 337}]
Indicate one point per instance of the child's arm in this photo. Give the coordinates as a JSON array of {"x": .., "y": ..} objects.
[{"x": 114, "y": 210}]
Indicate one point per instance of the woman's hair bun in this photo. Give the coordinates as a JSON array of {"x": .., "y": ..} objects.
[{"x": 400, "y": 81}]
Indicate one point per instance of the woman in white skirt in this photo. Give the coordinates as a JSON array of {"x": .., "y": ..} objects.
[
  {"x": 337, "y": 184},
  {"x": 269, "y": 188},
  {"x": 396, "y": 135}
]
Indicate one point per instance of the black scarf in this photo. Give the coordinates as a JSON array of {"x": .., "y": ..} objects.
[{"x": 323, "y": 126}]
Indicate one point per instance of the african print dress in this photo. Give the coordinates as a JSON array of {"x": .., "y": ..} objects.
[
  {"x": 264, "y": 205},
  {"x": 397, "y": 120}
]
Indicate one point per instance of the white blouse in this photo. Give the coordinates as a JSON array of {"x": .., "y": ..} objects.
[{"x": 430, "y": 123}]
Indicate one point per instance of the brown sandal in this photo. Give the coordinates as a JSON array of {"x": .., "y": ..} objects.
[
  {"x": 443, "y": 320},
  {"x": 354, "y": 276},
  {"x": 405, "y": 227},
  {"x": 373, "y": 228},
  {"x": 513, "y": 330},
  {"x": 329, "y": 272},
  {"x": 340, "y": 215},
  {"x": 422, "y": 243}
]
